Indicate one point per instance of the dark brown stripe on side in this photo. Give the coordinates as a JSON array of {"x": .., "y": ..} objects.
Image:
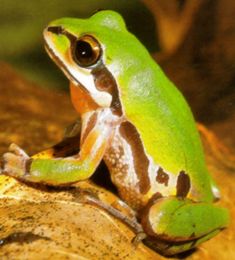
[
  {"x": 141, "y": 162},
  {"x": 28, "y": 165},
  {"x": 162, "y": 177},
  {"x": 90, "y": 125},
  {"x": 183, "y": 185},
  {"x": 104, "y": 81}
]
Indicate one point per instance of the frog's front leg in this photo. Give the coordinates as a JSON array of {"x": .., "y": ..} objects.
[
  {"x": 176, "y": 224},
  {"x": 61, "y": 171}
]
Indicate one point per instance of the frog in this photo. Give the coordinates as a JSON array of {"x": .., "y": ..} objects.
[{"x": 134, "y": 119}]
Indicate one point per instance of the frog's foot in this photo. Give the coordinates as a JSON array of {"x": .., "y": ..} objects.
[
  {"x": 176, "y": 225},
  {"x": 16, "y": 162}
]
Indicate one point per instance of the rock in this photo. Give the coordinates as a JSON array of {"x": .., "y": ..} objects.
[{"x": 55, "y": 223}]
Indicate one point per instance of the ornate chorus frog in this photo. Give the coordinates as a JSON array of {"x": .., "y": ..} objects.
[{"x": 134, "y": 119}]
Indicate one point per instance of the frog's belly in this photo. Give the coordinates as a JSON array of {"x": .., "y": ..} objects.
[{"x": 135, "y": 187}]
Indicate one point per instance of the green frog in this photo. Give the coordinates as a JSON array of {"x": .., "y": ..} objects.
[{"x": 136, "y": 120}]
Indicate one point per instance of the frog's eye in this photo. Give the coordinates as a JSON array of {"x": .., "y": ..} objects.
[{"x": 87, "y": 51}]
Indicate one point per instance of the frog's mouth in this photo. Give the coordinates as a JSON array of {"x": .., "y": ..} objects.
[{"x": 80, "y": 77}]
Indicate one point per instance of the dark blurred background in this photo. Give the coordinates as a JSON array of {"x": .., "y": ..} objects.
[
  {"x": 22, "y": 23},
  {"x": 193, "y": 41}
]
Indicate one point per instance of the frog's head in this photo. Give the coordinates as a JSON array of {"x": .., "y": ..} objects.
[{"x": 79, "y": 48}]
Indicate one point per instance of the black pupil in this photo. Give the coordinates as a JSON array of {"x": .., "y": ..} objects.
[{"x": 84, "y": 53}]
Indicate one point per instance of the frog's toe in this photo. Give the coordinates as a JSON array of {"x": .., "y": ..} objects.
[
  {"x": 139, "y": 238},
  {"x": 14, "y": 148}
]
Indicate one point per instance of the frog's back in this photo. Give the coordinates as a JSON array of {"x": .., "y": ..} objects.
[{"x": 162, "y": 118}]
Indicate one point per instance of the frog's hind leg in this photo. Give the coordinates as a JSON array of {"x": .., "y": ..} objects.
[
  {"x": 175, "y": 225},
  {"x": 117, "y": 209}
]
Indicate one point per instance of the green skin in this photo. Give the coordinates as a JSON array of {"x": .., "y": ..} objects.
[{"x": 148, "y": 98}]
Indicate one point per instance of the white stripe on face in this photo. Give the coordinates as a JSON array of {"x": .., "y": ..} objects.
[
  {"x": 78, "y": 75},
  {"x": 85, "y": 78}
]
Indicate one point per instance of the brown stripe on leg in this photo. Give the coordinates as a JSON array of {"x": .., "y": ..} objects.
[
  {"x": 141, "y": 161},
  {"x": 90, "y": 125}
]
